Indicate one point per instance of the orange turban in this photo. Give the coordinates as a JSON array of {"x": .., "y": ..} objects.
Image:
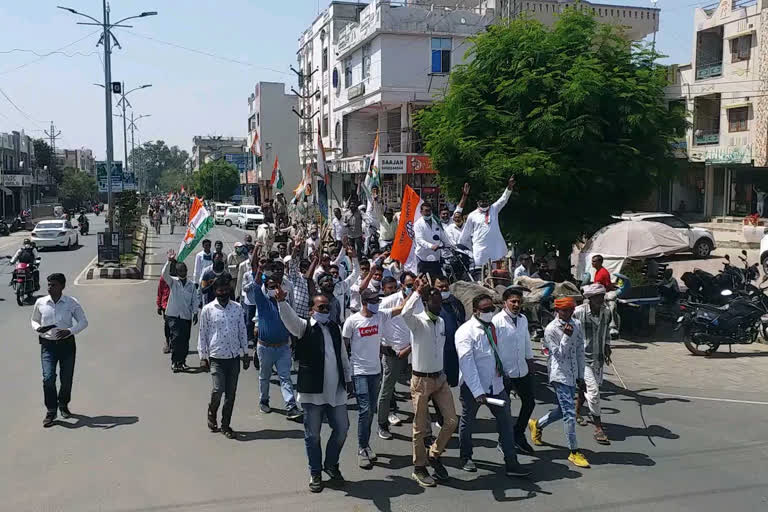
[{"x": 565, "y": 303}]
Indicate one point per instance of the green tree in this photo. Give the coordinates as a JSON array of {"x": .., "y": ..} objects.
[
  {"x": 44, "y": 158},
  {"x": 129, "y": 211},
  {"x": 217, "y": 180},
  {"x": 576, "y": 112},
  {"x": 173, "y": 180},
  {"x": 155, "y": 158},
  {"x": 77, "y": 187}
]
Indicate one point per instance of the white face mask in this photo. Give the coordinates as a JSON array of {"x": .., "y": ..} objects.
[
  {"x": 483, "y": 209},
  {"x": 445, "y": 295},
  {"x": 485, "y": 317},
  {"x": 375, "y": 283},
  {"x": 322, "y": 318}
]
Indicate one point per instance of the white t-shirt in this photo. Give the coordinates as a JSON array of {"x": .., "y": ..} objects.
[{"x": 365, "y": 336}]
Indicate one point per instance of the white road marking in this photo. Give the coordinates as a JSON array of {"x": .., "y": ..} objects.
[
  {"x": 729, "y": 400},
  {"x": 87, "y": 266}
]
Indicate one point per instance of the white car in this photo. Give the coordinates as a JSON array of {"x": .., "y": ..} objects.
[
  {"x": 701, "y": 241},
  {"x": 231, "y": 216},
  {"x": 55, "y": 233},
  {"x": 249, "y": 217},
  {"x": 219, "y": 211}
]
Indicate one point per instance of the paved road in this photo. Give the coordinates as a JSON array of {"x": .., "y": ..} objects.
[{"x": 141, "y": 443}]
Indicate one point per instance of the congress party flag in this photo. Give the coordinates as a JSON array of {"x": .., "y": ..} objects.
[
  {"x": 200, "y": 222},
  {"x": 403, "y": 246}
]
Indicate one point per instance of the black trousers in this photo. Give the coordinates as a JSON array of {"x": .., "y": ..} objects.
[
  {"x": 224, "y": 373},
  {"x": 62, "y": 354},
  {"x": 166, "y": 329},
  {"x": 523, "y": 386},
  {"x": 179, "y": 332}
]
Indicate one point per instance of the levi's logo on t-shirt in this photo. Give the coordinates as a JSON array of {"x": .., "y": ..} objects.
[{"x": 371, "y": 330}]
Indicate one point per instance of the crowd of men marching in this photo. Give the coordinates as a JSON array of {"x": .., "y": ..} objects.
[{"x": 357, "y": 327}]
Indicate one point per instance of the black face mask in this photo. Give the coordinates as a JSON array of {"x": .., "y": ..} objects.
[{"x": 218, "y": 266}]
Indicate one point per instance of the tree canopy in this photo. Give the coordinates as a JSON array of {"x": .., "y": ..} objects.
[
  {"x": 173, "y": 179},
  {"x": 44, "y": 158},
  {"x": 576, "y": 112},
  {"x": 217, "y": 180},
  {"x": 155, "y": 158},
  {"x": 77, "y": 187}
]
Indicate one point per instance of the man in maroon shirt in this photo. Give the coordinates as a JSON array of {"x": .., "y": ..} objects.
[
  {"x": 163, "y": 292},
  {"x": 603, "y": 277}
]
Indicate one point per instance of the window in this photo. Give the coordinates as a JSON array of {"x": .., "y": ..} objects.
[
  {"x": 257, "y": 119},
  {"x": 325, "y": 59},
  {"x": 737, "y": 119},
  {"x": 441, "y": 54},
  {"x": 325, "y": 127},
  {"x": 348, "y": 72},
  {"x": 672, "y": 222},
  {"x": 366, "y": 60},
  {"x": 337, "y": 135},
  {"x": 741, "y": 48}
]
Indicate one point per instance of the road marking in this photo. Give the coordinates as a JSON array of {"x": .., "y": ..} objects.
[
  {"x": 730, "y": 400},
  {"x": 87, "y": 266}
]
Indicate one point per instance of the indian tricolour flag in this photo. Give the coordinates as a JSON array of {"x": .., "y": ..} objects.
[
  {"x": 277, "y": 176},
  {"x": 403, "y": 247},
  {"x": 200, "y": 222}
]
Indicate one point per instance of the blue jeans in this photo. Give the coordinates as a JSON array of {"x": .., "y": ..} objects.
[
  {"x": 367, "y": 391},
  {"x": 313, "y": 420},
  {"x": 63, "y": 354},
  {"x": 280, "y": 358},
  {"x": 565, "y": 410},
  {"x": 504, "y": 424}
]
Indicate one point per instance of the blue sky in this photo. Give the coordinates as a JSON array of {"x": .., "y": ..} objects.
[{"x": 192, "y": 94}]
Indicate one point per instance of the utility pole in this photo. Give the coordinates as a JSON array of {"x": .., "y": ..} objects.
[
  {"x": 133, "y": 127},
  {"x": 305, "y": 127},
  {"x": 106, "y": 39},
  {"x": 52, "y": 136}
]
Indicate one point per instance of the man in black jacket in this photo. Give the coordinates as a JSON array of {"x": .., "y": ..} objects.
[{"x": 323, "y": 382}]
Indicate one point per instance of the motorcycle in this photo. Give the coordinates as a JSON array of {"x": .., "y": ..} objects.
[
  {"x": 707, "y": 288},
  {"x": 4, "y": 229},
  {"x": 456, "y": 266},
  {"x": 23, "y": 281},
  {"x": 17, "y": 224},
  {"x": 84, "y": 226}
]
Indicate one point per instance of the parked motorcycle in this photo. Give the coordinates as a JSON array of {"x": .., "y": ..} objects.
[
  {"x": 456, "y": 266},
  {"x": 17, "y": 224},
  {"x": 4, "y": 229},
  {"x": 707, "y": 288},
  {"x": 23, "y": 281}
]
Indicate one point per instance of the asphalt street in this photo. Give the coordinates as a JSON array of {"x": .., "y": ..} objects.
[{"x": 689, "y": 434}]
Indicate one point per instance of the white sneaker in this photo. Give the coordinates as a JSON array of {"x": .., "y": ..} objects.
[
  {"x": 371, "y": 454},
  {"x": 394, "y": 420}
]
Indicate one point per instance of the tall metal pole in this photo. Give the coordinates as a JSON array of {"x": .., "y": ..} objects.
[
  {"x": 108, "y": 109},
  {"x": 133, "y": 149},
  {"x": 125, "y": 133}
]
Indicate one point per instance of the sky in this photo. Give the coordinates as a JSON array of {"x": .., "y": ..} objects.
[{"x": 202, "y": 57}]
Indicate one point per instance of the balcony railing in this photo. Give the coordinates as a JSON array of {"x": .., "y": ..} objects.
[
  {"x": 709, "y": 70},
  {"x": 706, "y": 137}
]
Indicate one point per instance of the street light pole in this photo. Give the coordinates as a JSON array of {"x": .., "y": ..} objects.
[
  {"x": 106, "y": 40},
  {"x": 133, "y": 147}
]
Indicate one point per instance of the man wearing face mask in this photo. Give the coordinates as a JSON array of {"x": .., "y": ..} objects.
[
  {"x": 181, "y": 311},
  {"x": 323, "y": 381},
  {"x": 363, "y": 282},
  {"x": 482, "y": 232},
  {"x": 218, "y": 246},
  {"x": 273, "y": 346},
  {"x": 362, "y": 334},
  {"x": 516, "y": 352},
  {"x": 481, "y": 376},
  {"x": 336, "y": 290},
  {"x": 429, "y": 238},
  {"x": 453, "y": 316},
  {"x": 242, "y": 270},
  {"x": 218, "y": 267},
  {"x": 313, "y": 242},
  {"x": 388, "y": 228},
  {"x": 222, "y": 345},
  {"x": 202, "y": 260},
  {"x": 395, "y": 349},
  {"x": 238, "y": 255},
  {"x": 564, "y": 339}
]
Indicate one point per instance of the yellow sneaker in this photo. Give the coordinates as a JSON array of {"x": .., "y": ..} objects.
[
  {"x": 533, "y": 426},
  {"x": 578, "y": 460}
]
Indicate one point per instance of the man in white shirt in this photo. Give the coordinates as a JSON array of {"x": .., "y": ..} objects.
[
  {"x": 221, "y": 345},
  {"x": 57, "y": 318},
  {"x": 339, "y": 228},
  {"x": 238, "y": 255},
  {"x": 312, "y": 243},
  {"x": 202, "y": 260},
  {"x": 181, "y": 311},
  {"x": 388, "y": 228},
  {"x": 395, "y": 349},
  {"x": 481, "y": 377},
  {"x": 362, "y": 333},
  {"x": 324, "y": 370},
  {"x": 524, "y": 267},
  {"x": 482, "y": 232},
  {"x": 428, "y": 381},
  {"x": 430, "y": 238},
  {"x": 363, "y": 281},
  {"x": 516, "y": 354}
]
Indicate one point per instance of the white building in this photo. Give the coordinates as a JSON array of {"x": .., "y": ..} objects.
[
  {"x": 270, "y": 115},
  {"x": 374, "y": 66},
  {"x": 81, "y": 159},
  {"x": 724, "y": 91}
]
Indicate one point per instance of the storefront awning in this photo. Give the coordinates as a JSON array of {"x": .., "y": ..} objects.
[
  {"x": 738, "y": 105},
  {"x": 740, "y": 34},
  {"x": 6, "y": 190}
]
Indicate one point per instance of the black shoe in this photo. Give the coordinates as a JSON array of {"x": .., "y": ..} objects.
[
  {"x": 166, "y": 348},
  {"x": 385, "y": 433},
  {"x": 441, "y": 474},
  {"x": 48, "y": 420},
  {"x": 421, "y": 475},
  {"x": 334, "y": 474},
  {"x": 65, "y": 413},
  {"x": 468, "y": 466},
  {"x": 316, "y": 483},
  {"x": 228, "y": 432},
  {"x": 175, "y": 368},
  {"x": 521, "y": 443},
  {"x": 294, "y": 414},
  {"x": 212, "y": 425},
  {"x": 265, "y": 408},
  {"x": 515, "y": 469}
]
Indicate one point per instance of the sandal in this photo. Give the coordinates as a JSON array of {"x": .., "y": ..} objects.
[
  {"x": 601, "y": 438},
  {"x": 581, "y": 420}
]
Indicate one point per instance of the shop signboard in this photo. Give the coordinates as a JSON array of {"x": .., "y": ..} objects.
[
  {"x": 420, "y": 164},
  {"x": 16, "y": 180},
  {"x": 117, "y": 176},
  {"x": 392, "y": 164},
  {"x": 723, "y": 155},
  {"x": 239, "y": 160}
]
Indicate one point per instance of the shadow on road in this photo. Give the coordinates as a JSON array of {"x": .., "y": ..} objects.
[
  {"x": 269, "y": 434},
  {"x": 381, "y": 492},
  {"x": 102, "y": 422}
]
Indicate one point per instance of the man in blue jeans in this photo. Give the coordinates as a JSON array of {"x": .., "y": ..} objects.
[
  {"x": 323, "y": 372},
  {"x": 273, "y": 347},
  {"x": 56, "y": 318},
  {"x": 362, "y": 333}
]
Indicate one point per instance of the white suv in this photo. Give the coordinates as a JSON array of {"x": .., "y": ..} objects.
[
  {"x": 701, "y": 241},
  {"x": 219, "y": 210},
  {"x": 249, "y": 217},
  {"x": 231, "y": 216}
]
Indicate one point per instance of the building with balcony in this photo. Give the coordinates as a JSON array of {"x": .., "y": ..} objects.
[
  {"x": 80, "y": 159},
  {"x": 271, "y": 117},
  {"x": 17, "y": 153},
  {"x": 723, "y": 90},
  {"x": 213, "y": 147}
]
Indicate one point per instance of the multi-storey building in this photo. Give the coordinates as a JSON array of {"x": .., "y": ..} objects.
[
  {"x": 368, "y": 69},
  {"x": 272, "y": 125},
  {"x": 80, "y": 159},
  {"x": 17, "y": 153},
  {"x": 204, "y": 148},
  {"x": 724, "y": 91}
]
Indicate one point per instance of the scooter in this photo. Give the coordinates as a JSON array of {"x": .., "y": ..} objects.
[{"x": 84, "y": 228}]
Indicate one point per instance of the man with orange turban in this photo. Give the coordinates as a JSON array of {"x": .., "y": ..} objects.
[{"x": 565, "y": 365}]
